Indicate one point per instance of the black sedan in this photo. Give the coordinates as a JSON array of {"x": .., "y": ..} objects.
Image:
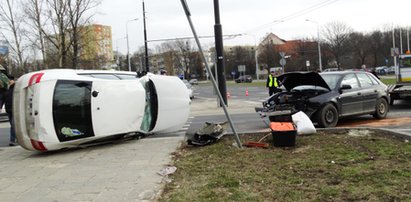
[{"x": 327, "y": 96}]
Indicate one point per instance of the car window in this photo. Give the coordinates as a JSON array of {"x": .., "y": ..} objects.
[
  {"x": 126, "y": 76},
  {"x": 374, "y": 80},
  {"x": 331, "y": 79},
  {"x": 350, "y": 79},
  {"x": 72, "y": 110},
  {"x": 365, "y": 81}
]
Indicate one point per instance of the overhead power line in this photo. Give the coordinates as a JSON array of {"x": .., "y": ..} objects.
[{"x": 296, "y": 14}]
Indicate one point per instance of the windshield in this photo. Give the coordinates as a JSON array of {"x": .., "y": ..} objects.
[{"x": 331, "y": 79}]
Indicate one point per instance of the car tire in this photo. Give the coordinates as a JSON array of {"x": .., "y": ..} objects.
[
  {"x": 327, "y": 116},
  {"x": 381, "y": 109}
]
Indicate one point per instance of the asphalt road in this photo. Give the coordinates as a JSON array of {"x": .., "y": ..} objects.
[{"x": 398, "y": 117}]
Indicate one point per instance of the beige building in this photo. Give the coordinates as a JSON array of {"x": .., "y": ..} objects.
[{"x": 96, "y": 43}]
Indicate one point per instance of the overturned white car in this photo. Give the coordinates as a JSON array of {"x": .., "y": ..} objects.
[{"x": 55, "y": 109}]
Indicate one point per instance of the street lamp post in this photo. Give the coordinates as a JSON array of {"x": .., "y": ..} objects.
[
  {"x": 318, "y": 42},
  {"x": 117, "y": 53},
  {"x": 128, "y": 47}
]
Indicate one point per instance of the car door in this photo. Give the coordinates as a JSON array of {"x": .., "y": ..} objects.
[
  {"x": 350, "y": 99},
  {"x": 368, "y": 91},
  {"x": 117, "y": 106}
]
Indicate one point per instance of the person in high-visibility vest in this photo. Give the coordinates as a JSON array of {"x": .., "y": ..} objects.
[{"x": 273, "y": 83}]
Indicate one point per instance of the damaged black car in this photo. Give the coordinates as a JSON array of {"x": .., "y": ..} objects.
[{"x": 326, "y": 97}]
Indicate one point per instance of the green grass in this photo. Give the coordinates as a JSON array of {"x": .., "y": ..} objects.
[
  {"x": 388, "y": 81},
  {"x": 322, "y": 167}
]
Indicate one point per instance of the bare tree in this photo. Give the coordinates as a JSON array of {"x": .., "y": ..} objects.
[
  {"x": 59, "y": 23},
  {"x": 268, "y": 55},
  {"x": 64, "y": 29},
  {"x": 185, "y": 49},
  {"x": 77, "y": 18},
  {"x": 336, "y": 35},
  {"x": 13, "y": 22},
  {"x": 34, "y": 12},
  {"x": 360, "y": 44}
]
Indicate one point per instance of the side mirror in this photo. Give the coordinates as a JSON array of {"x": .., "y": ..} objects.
[{"x": 345, "y": 87}]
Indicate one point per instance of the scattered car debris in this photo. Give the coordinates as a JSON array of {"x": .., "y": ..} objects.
[
  {"x": 258, "y": 144},
  {"x": 167, "y": 171},
  {"x": 359, "y": 133},
  {"x": 208, "y": 133}
]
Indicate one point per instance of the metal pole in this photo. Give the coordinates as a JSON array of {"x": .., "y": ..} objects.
[
  {"x": 408, "y": 39},
  {"x": 393, "y": 46},
  {"x": 257, "y": 70},
  {"x": 213, "y": 81},
  {"x": 128, "y": 47},
  {"x": 319, "y": 47},
  {"x": 401, "y": 41},
  {"x": 218, "y": 33},
  {"x": 145, "y": 40},
  {"x": 320, "y": 65}
]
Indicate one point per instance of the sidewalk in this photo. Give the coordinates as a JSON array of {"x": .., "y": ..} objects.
[{"x": 121, "y": 171}]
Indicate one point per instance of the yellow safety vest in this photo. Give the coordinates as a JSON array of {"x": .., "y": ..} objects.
[{"x": 272, "y": 81}]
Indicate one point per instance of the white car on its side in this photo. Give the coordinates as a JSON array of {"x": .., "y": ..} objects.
[{"x": 55, "y": 109}]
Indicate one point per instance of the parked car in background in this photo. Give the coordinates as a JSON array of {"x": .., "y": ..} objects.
[
  {"x": 328, "y": 96},
  {"x": 55, "y": 109},
  {"x": 189, "y": 88},
  {"x": 244, "y": 79},
  {"x": 193, "y": 81},
  {"x": 381, "y": 70}
]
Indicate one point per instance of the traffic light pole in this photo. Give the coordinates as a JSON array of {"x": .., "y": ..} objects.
[
  {"x": 218, "y": 34},
  {"x": 145, "y": 41},
  {"x": 213, "y": 81}
]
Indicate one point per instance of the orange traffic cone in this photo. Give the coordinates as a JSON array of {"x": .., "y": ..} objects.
[
  {"x": 246, "y": 91},
  {"x": 228, "y": 94}
]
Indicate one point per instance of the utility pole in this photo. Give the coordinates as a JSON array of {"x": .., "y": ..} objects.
[
  {"x": 401, "y": 41},
  {"x": 393, "y": 46},
  {"x": 145, "y": 40},
  {"x": 320, "y": 65},
  {"x": 128, "y": 47},
  {"x": 408, "y": 40},
  {"x": 218, "y": 34}
]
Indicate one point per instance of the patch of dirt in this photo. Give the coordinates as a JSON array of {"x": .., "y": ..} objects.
[{"x": 377, "y": 122}]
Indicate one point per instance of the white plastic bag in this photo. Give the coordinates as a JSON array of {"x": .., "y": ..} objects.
[{"x": 303, "y": 123}]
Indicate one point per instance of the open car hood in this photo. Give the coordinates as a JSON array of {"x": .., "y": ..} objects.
[{"x": 294, "y": 79}]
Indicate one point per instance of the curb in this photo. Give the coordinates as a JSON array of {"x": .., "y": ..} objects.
[{"x": 342, "y": 129}]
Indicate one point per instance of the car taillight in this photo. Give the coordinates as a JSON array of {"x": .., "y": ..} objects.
[
  {"x": 38, "y": 145},
  {"x": 35, "y": 78}
]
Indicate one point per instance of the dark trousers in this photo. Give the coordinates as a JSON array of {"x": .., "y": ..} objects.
[
  {"x": 273, "y": 90},
  {"x": 12, "y": 130}
]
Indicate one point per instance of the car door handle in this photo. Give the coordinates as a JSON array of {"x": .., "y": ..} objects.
[{"x": 358, "y": 93}]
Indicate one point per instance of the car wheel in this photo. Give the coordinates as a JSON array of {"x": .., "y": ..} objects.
[
  {"x": 381, "y": 109},
  {"x": 327, "y": 116}
]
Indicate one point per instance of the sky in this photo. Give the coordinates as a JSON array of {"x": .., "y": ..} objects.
[{"x": 253, "y": 19}]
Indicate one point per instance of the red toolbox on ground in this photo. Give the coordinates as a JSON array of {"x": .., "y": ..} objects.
[{"x": 284, "y": 134}]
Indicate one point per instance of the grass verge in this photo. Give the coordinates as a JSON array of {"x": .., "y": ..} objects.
[{"x": 321, "y": 167}]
